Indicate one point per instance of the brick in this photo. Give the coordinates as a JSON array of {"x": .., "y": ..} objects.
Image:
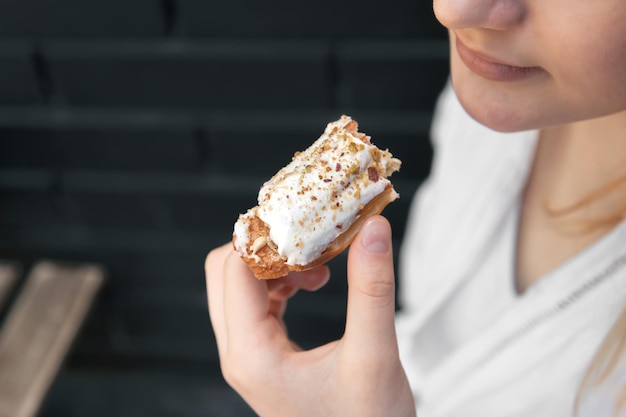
[
  {"x": 28, "y": 207},
  {"x": 119, "y": 211},
  {"x": 174, "y": 314},
  {"x": 145, "y": 386},
  {"x": 179, "y": 273},
  {"x": 68, "y": 18},
  {"x": 162, "y": 210},
  {"x": 99, "y": 147},
  {"x": 18, "y": 84},
  {"x": 258, "y": 154},
  {"x": 336, "y": 19},
  {"x": 213, "y": 213},
  {"x": 237, "y": 75},
  {"x": 391, "y": 75},
  {"x": 254, "y": 150},
  {"x": 413, "y": 149}
]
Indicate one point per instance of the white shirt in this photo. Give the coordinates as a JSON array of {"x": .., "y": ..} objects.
[{"x": 470, "y": 345}]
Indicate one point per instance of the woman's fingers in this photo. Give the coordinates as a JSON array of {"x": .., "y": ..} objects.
[
  {"x": 246, "y": 301},
  {"x": 369, "y": 346},
  {"x": 280, "y": 290},
  {"x": 310, "y": 280},
  {"x": 250, "y": 299},
  {"x": 247, "y": 310},
  {"x": 371, "y": 290},
  {"x": 214, "y": 269},
  {"x": 357, "y": 375}
]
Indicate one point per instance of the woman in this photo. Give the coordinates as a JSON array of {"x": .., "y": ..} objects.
[{"x": 514, "y": 266}]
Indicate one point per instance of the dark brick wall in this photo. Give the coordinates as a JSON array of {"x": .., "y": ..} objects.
[{"x": 132, "y": 133}]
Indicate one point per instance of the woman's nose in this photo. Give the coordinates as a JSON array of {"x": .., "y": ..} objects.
[{"x": 487, "y": 14}]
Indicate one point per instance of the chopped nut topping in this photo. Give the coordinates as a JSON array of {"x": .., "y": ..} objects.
[
  {"x": 272, "y": 245},
  {"x": 258, "y": 244},
  {"x": 372, "y": 173}
]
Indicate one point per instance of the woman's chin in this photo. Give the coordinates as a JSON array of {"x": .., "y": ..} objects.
[
  {"x": 495, "y": 114},
  {"x": 497, "y": 120}
]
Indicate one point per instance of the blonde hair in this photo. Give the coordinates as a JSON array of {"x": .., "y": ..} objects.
[
  {"x": 613, "y": 348},
  {"x": 605, "y": 362}
]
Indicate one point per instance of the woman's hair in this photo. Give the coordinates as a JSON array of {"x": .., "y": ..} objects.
[
  {"x": 605, "y": 362},
  {"x": 613, "y": 348}
]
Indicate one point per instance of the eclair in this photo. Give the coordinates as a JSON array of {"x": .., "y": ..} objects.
[{"x": 312, "y": 208}]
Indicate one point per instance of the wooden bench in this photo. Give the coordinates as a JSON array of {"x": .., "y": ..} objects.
[{"x": 43, "y": 315}]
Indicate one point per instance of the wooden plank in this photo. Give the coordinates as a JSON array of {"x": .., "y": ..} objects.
[
  {"x": 39, "y": 330},
  {"x": 8, "y": 278}
]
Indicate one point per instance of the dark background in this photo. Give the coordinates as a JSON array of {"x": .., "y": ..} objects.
[{"x": 132, "y": 133}]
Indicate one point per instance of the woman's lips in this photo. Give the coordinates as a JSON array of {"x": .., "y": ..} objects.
[{"x": 491, "y": 70}]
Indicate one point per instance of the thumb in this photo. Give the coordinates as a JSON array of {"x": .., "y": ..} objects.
[{"x": 371, "y": 287}]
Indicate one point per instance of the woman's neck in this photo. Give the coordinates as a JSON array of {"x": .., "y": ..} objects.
[
  {"x": 576, "y": 160},
  {"x": 566, "y": 204}
]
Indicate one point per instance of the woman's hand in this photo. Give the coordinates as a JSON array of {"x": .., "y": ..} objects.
[{"x": 358, "y": 375}]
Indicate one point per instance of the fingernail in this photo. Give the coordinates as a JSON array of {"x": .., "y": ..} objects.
[{"x": 375, "y": 237}]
